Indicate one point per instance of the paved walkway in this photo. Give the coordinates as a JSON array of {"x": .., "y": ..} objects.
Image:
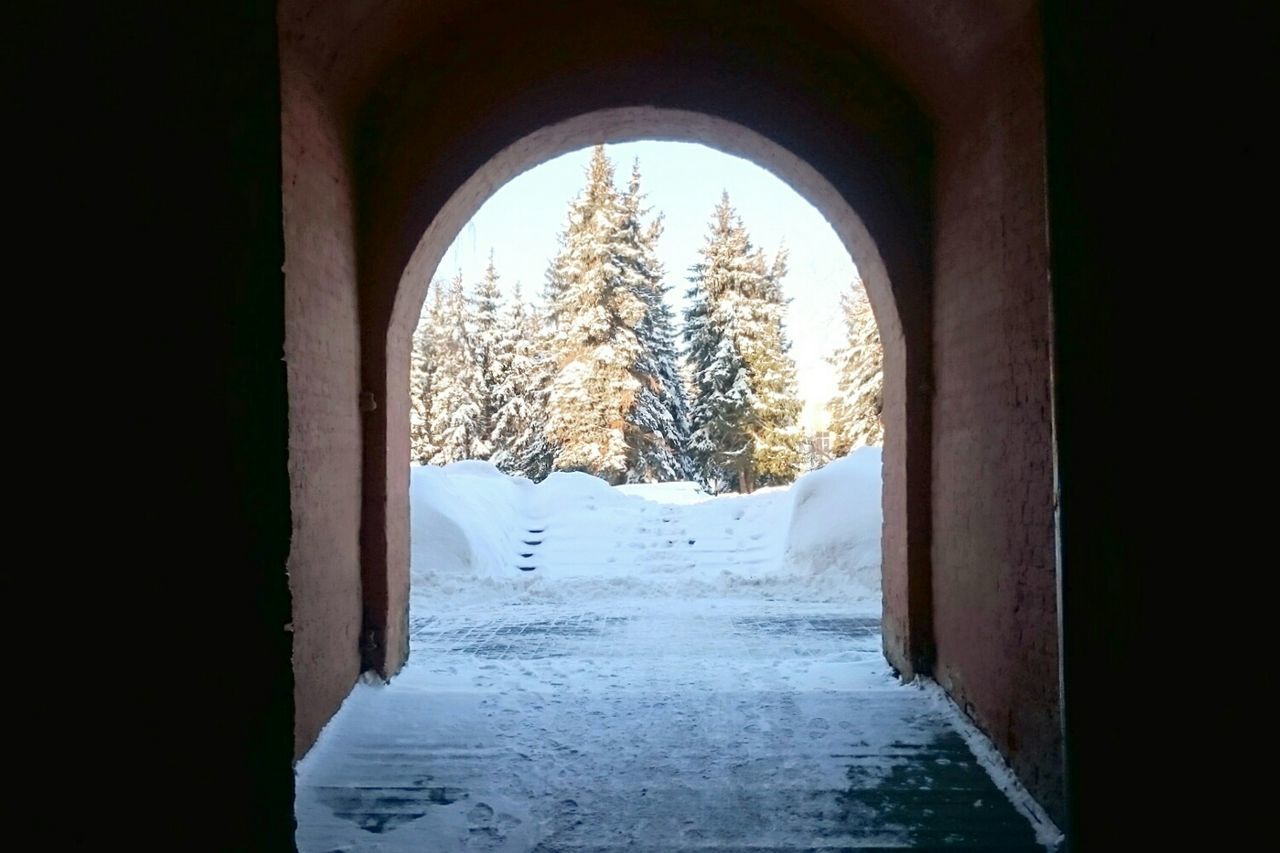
[{"x": 647, "y": 724}]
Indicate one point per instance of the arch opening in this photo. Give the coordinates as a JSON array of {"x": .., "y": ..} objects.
[
  {"x": 905, "y": 596},
  {"x": 584, "y": 720},
  {"x": 487, "y": 343},
  {"x": 936, "y": 141}
]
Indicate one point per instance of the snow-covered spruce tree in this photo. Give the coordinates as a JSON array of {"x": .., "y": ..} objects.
[
  {"x": 658, "y": 421},
  {"x": 778, "y": 452},
  {"x": 715, "y": 413},
  {"x": 592, "y": 314},
  {"x": 537, "y": 453},
  {"x": 454, "y": 416},
  {"x": 520, "y": 394},
  {"x": 743, "y": 419},
  {"x": 484, "y": 333},
  {"x": 606, "y": 412},
  {"x": 855, "y": 411},
  {"x": 423, "y": 366}
]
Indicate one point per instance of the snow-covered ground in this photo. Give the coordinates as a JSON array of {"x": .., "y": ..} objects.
[
  {"x": 480, "y": 534},
  {"x": 650, "y": 668}
]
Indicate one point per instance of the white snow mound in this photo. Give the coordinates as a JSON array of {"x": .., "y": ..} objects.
[
  {"x": 836, "y": 521},
  {"x": 478, "y": 532}
]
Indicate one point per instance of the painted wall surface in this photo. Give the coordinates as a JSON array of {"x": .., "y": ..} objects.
[
  {"x": 994, "y": 566},
  {"x": 322, "y": 358}
]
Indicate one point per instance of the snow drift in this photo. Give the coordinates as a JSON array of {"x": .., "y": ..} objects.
[
  {"x": 836, "y": 521},
  {"x": 461, "y": 519},
  {"x": 478, "y": 531}
]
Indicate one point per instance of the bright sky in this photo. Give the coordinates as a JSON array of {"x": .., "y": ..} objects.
[{"x": 521, "y": 221}]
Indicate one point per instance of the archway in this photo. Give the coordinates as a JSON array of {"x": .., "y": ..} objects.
[
  {"x": 448, "y": 734},
  {"x": 630, "y": 124},
  {"x": 930, "y": 127}
]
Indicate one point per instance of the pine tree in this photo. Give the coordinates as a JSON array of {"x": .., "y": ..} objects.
[
  {"x": 484, "y": 335},
  {"x": 520, "y": 394},
  {"x": 423, "y": 369},
  {"x": 535, "y": 447},
  {"x": 608, "y": 411},
  {"x": 777, "y": 452},
  {"x": 657, "y": 423},
  {"x": 454, "y": 416},
  {"x": 856, "y": 410},
  {"x": 715, "y": 412},
  {"x": 743, "y": 420}
]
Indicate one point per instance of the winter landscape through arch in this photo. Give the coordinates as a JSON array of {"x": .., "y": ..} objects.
[
  {"x": 385, "y": 524},
  {"x": 540, "y": 663},
  {"x": 488, "y": 378},
  {"x": 938, "y": 130}
]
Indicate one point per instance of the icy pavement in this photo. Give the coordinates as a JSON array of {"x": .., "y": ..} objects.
[
  {"x": 642, "y": 669},
  {"x": 655, "y": 725}
]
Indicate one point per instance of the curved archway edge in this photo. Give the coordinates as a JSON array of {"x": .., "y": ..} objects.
[
  {"x": 928, "y": 122},
  {"x": 906, "y": 593}
]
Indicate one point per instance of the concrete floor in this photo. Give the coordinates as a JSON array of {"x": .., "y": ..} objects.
[{"x": 648, "y": 725}]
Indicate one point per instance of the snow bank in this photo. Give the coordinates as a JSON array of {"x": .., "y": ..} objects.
[
  {"x": 462, "y": 519},
  {"x": 470, "y": 521},
  {"x": 478, "y": 532},
  {"x": 682, "y": 492},
  {"x": 564, "y": 489},
  {"x": 835, "y": 525}
]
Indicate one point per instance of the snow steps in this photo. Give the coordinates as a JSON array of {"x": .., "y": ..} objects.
[
  {"x": 662, "y": 540},
  {"x": 526, "y": 555}
]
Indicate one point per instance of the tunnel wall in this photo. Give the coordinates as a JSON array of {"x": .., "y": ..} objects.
[
  {"x": 926, "y": 118},
  {"x": 994, "y": 567},
  {"x": 322, "y": 358}
]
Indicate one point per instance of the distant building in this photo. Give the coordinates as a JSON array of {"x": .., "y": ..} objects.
[{"x": 817, "y": 449}]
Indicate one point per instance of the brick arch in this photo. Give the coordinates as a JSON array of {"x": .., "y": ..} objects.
[
  {"x": 926, "y": 118},
  {"x": 624, "y": 125},
  {"x": 779, "y": 86}
]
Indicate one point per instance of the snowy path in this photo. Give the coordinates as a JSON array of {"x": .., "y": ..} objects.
[
  {"x": 622, "y": 674},
  {"x": 582, "y": 534}
]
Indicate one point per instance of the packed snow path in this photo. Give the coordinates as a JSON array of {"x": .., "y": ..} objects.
[
  {"x": 588, "y": 712},
  {"x": 648, "y": 540}
]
